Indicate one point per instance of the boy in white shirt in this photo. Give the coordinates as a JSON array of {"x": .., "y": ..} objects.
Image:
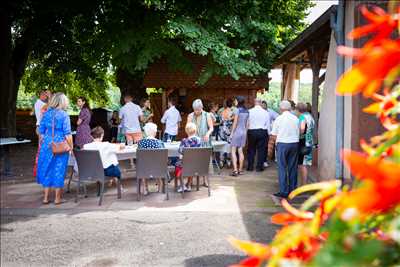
[{"x": 107, "y": 152}]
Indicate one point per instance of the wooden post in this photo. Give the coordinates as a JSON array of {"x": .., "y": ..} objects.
[
  {"x": 316, "y": 56},
  {"x": 164, "y": 100}
]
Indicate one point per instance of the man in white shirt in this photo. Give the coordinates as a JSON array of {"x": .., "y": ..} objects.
[
  {"x": 131, "y": 115},
  {"x": 272, "y": 116},
  {"x": 287, "y": 132},
  {"x": 257, "y": 134},
  {"x": 171, "y": 119},
  {"x": 42, "y": 100}
]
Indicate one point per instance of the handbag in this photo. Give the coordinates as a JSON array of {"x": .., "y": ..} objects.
[
  {"x": 60, "y": 147},
  {"x": 305, "y": 150}
]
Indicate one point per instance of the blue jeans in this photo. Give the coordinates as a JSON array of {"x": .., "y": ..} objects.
[
  {"x": 167, "y": 136},
  {"x": 287, "y": 155},
  {"x": 112, "y": 171}
]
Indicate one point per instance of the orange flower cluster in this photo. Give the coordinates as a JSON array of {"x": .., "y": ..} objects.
[
  {"x": 377, "y": 170},
  {"x": 380, "y": 52},
  {"x": 381, "y": 188}
]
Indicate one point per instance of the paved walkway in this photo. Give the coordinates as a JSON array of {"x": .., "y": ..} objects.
[{"x": 153, "y": 232}]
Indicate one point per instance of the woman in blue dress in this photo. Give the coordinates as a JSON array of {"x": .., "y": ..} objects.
[
  {"x": 238, "y": 135},
  {"x": 52, "y": 168}
]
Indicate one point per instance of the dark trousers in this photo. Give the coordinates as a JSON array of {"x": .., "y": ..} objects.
[
  {"x": 167, "y": 136},
  {"x": 287, "y": 155},
  {"x": 257, "y": 141},
  {"x": 113, "y": 171}
]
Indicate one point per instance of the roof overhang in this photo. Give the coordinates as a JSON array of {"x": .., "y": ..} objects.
[{"x": 318, "y": 33}]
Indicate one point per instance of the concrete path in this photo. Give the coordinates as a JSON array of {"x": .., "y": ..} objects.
[{"x": 153, "y": 232}]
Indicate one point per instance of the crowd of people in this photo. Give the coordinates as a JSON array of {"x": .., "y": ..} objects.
[{"x": 290, "y": 133}]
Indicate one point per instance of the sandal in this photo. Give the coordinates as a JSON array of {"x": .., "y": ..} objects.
[
  {"x": 46, "y": 202},
  {"x": 62, "y": 201},
  {"x": 234, "y": 173}
]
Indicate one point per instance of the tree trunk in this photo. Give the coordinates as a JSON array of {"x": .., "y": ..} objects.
[
  {"x": 131, "y": 84},
  {"x": 7, "y": 117},
  {"x": 12, "y": 67}
]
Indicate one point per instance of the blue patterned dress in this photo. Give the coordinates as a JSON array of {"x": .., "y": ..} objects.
[
  {"x": 52, "y": 168},
  {"x": 150, "y": 143}
]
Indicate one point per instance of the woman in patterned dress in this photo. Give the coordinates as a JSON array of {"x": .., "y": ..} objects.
[
  {"x": 238, "y": 136},
  {"x": 225, "y": 128},
  {"x": 147, "y": 113},
  {"x": 83, "y": 135},
  {"x": 51, "y": 168},
  {"x": 307, "y": 126},
  {"x": 150, "y": 142}
]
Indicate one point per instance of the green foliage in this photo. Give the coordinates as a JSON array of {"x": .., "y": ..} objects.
[
  {"x": 76, "y": 45},
  {"x": 273, "y": 96}
]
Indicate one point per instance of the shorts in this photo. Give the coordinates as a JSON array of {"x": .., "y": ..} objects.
[{"x": 113, "y": 171}]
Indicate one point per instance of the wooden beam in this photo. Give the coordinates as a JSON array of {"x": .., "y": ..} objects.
[{"x": 316, "y": 56}]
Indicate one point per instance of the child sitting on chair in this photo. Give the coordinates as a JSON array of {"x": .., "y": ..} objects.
[
  {"x": 107, "y": 152},
  {"x": 192, "y": 140}
]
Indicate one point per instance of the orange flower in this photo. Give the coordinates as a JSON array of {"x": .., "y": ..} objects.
[
  {"x": 380, "y": 191},
  {"x": 286, "y": 218},
  {"x": 258, "y": 252},
  {"x": 249, "y": 262},
  {"x": 374, "y": 64},
  {"x": 381, "y": 23},
  {"x": 376, "y": 59}
]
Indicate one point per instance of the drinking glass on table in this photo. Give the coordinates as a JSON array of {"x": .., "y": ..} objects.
[{"x": 130, "y": 142}]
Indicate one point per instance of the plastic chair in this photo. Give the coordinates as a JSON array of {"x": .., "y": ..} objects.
[
  {"x": 91, "y": 170},
  {"x": 152, "y": 164},
  {"x": 196, "y": 163}
]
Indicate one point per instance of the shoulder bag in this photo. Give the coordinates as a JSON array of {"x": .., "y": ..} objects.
[{"x": 60, "y": 147}]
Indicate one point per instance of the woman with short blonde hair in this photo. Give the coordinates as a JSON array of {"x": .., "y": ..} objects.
[
  {"x": 59, "y": 101},
  {"x": 55, "y": 126}
]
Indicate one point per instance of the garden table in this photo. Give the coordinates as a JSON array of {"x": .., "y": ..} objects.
[{"x": 5, "y": 144}]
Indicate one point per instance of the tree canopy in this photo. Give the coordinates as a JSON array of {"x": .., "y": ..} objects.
[{"x": 77, "y": 44}]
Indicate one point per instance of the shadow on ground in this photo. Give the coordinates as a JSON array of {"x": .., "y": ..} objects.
[{"x": 213, "y": 260}]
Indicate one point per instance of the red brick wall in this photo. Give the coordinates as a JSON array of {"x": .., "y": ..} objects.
[{"x": 206, "y": 95}]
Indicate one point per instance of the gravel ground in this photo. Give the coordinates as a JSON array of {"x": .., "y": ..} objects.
[{"x": 128, "y": 238}]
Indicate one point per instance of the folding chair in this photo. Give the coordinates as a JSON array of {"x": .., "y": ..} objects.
[
  {"x": 91, "y": 170},
  {"x": 152, "y": 164},
  {"x": 196, "y": 163}
]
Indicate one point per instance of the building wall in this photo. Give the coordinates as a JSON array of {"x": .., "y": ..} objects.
[
  {"x": 357, "y": 124},
  {"x": 327, "y": 119}
]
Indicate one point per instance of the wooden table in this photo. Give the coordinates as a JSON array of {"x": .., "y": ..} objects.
[{"x": 5, "y": 144}]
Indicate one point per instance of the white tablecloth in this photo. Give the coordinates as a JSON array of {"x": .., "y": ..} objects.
[
  {"x": 12, "y": 141},
  {"x": 130, "y": 151}
]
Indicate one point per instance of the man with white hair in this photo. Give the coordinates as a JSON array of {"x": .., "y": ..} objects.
[
  {"x": 286, "y": 130},
  {"x": 258, "y": 124}
]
